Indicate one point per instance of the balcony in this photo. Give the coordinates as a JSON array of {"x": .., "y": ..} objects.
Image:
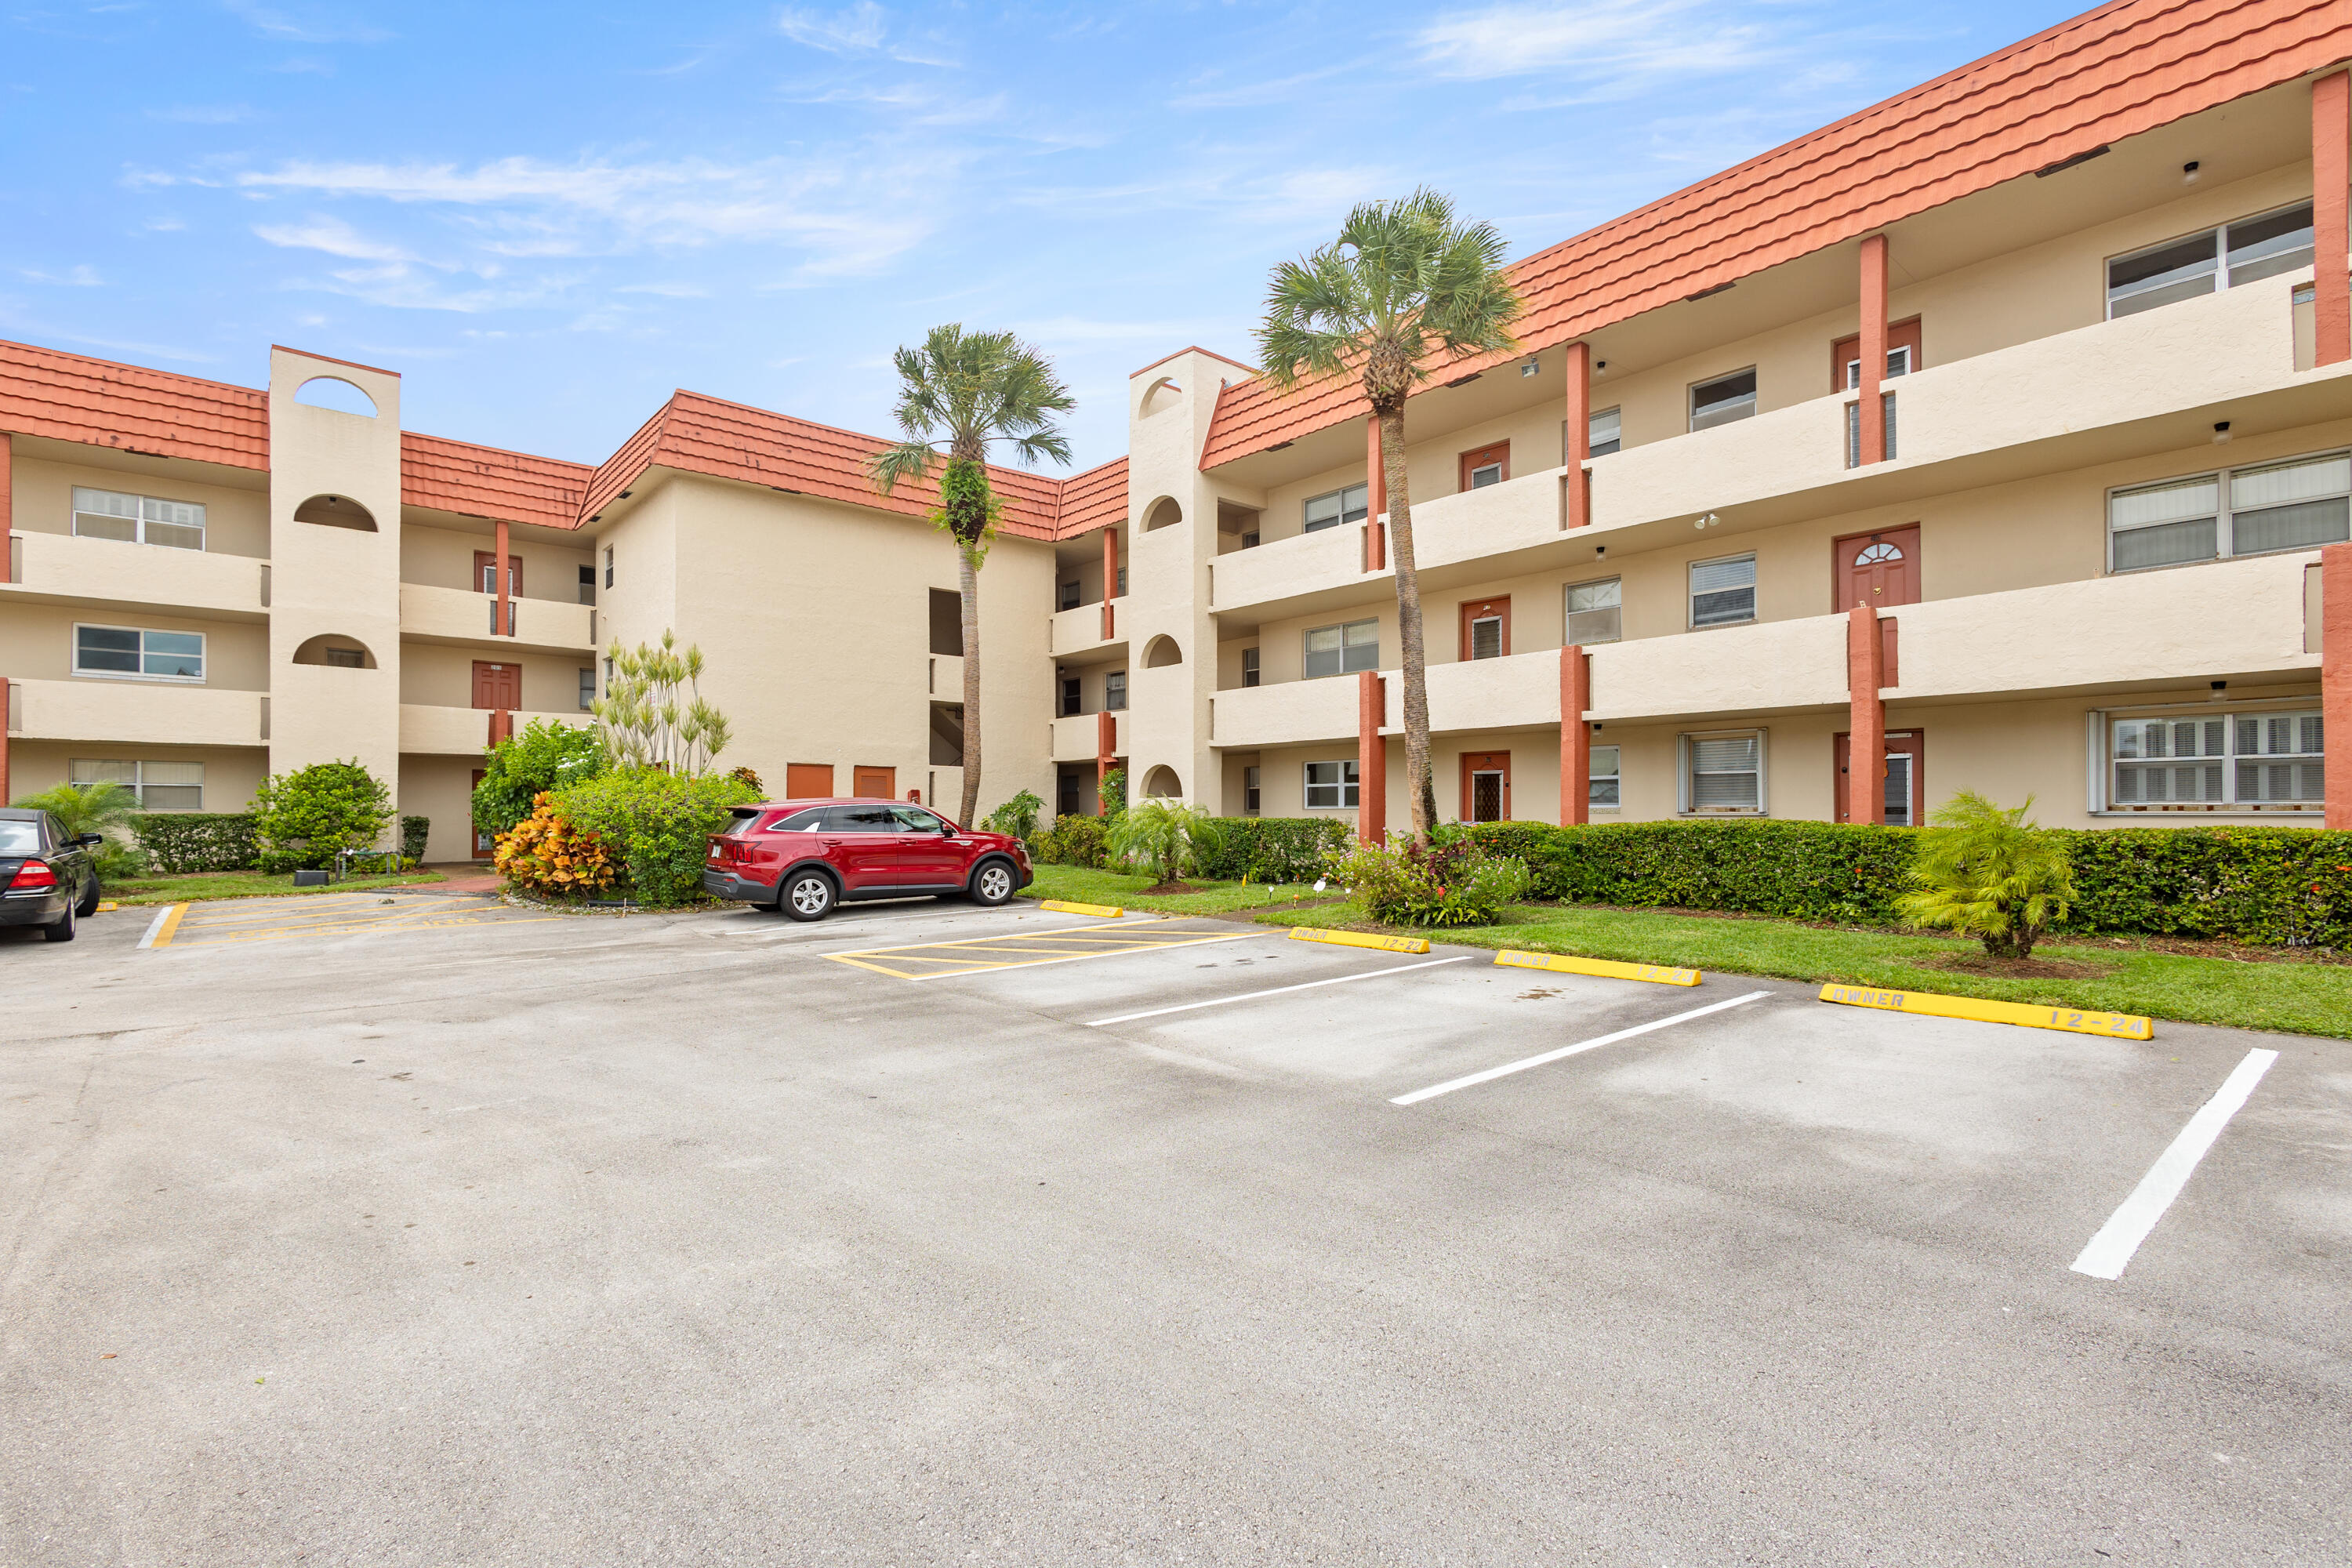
[
  {"x": 1289, "y": 713},
  {"x": 1773, "y": 667},
  {"x": 1078, "y": 633},
  {"x": 461, "y": 732},
  {"x": 429, "y": 614},
  {"x": 1075, "y": 737},
  {"x": 61, "y": 568},
  {"x": 2226, "y": 620},
  {"x": 2115, "y": 389},
  {"x": 134, "y": 712}
]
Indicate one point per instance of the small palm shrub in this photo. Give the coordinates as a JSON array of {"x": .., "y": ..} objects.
[
  {"x": 1451, "y": 882},
  {"x": 1156, "y": 836},
  {"x": 1985, "y": 871},
  {"x": 1017, "y": 817},
  {"x": 545, "y": 853},
  {"x": 106, "y": 808}
]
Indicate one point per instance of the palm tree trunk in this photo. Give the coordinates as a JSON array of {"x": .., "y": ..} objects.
[
  {"x": 968, "y": 579},
  {"x": 1419, "y": 787}
]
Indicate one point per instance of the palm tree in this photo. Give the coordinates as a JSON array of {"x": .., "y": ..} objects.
[
  {"x": 962, "y": 390},
  {"x": 1405, "y": 282}
]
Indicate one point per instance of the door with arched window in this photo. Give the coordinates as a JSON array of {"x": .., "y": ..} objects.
[{"x": 1880, "y": 569}]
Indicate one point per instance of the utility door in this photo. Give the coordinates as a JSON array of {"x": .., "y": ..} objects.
[
  {"x": 1486, "y": 466},
  {"x": 498, "y": 685},
  {"x": 1487, "y": 627},
  {"x": 808, "y": 781},
  {"x": 1906, "y": 756},
  {"x": 1486, "y": 786},
  {"x": 877, "y": 783}
]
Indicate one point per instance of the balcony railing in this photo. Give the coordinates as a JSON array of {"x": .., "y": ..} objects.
[
  {"x": 135, "y": 712},
  {"x": 464, "y": 615},
  {"x": 1077, "y": 738},
  {"x": 1080, "y": 630},
  {"x": 111, "y": 571}
]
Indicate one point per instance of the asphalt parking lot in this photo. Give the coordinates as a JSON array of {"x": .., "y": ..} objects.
[{"x": 932, "y": 1234}]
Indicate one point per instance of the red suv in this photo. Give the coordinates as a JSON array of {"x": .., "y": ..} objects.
[{"x": 803, "y": 856}]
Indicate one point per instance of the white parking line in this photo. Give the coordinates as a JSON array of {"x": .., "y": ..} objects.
[
  {"x": 1277, "y": 991},
  {"x": 1508, "y": 1067},
  {"x": 2117, "y": 1239}
]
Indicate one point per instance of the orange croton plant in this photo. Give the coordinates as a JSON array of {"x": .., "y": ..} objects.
[{"x": 545, "y": 853}]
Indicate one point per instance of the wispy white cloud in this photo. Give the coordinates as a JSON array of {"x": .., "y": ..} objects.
[
  {"x": 81, "y": 275},
  {"x": 205, "y": 114},
  {"x": 858, "y": 30},
  {"x": 1258, "y": 94},
  {"x": 306, "y": 23},
  {"x": 667, "y": 290},
  {"x": 334, "y": 236},
  {"x": 1606, "y": 49}
]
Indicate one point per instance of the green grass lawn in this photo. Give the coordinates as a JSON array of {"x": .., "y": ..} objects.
[
  {"x": 243, "y": 885},
  {"x": 2300, "y": 998},
  {"x": 1082, "y": 886}
]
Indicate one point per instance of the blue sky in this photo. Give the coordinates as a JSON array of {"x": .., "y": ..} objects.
[{"x": 548, "y": 216}]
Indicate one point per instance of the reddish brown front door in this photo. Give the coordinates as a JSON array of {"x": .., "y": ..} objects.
[
  {"x": 486, "y": 573},
  {"x": 1902, "y": 350},
  {"x": 1880, "y": 569},
  {"x": 485, "y": 844},
  {"x": 808, "y": 781},
  {"x": 1486, "y": 466},
  {"x": 1486, "y": 786},
  {"x": 498, "y": 685},
  {"x": 1487, "y": 627},
  {"x": 877, "y": 783},
  {"x": 1906, "y": 786}
]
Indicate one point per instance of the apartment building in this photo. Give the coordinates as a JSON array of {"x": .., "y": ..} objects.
[{"x": 1997, "y": 437}]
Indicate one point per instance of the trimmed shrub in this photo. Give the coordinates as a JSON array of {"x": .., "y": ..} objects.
[
  {"x": 1074, "y": 840},
  {"x": 181, "y": 842},
  {"x": 302, "y": 818},
  {"x": 656, "y": 825},
  {"x": 2286, "y": 884},
  {"x": 1271, "y": 848},
  {"x": 1017, "y": 817},
  {"x": 1450, "y": 884},
  {"x": 520, "y": 769},
  {"x": 1114, "y": 791},
  {"x": 414, "y": 831},
  {"x": 545, "y": 853}
]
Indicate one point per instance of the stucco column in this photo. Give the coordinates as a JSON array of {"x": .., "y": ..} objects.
[
  {"x": 504, "y": 625},
  {"x": 2336, "y": 678},
  {"x": 1376, "y": 499},
  {"x": 1873, "y": 350},
  {"x": 1865, "y": 784},
  {"x": 1580, "y": 434},
  {"x": 1371, "y": 758},
  {"x": 1110, "y": 581},
  {"x": 2331, "y": 153},
  {"x": 1575, "y": 736},
  {"x": 1106, "y": 751},
  {"x": 8, "y": 515}
]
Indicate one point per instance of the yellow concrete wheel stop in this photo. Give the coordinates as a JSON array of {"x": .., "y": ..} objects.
[
  {"x": 2025, "y": 1015},
  {"x": 1063, "y": 906},
  {"x": 1361, "y": 939},
  {"x": 1608, "y": 969}
]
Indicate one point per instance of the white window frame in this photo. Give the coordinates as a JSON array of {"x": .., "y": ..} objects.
[
  {"x": 2106, "y": 764},
  {"x": 140, "y": 521},
  {"x": 1254, "y": 666},
  {"x": 1691, "y": 592},
  {"x": 608, "y": 565},
  {"x": 137, "y": 782},
  {"x": 1349, "y": 787},
  {"x": 1615, "y": 774},
  {"x": 2221, "y": 276},
  {"x": 203, "y": 655},
  {"x": 1685, "y": 794},
  {"x": 1343, "y": 629},
  {"x": 1307, "y": 508},
  {"x": 1253, "y": 790},
  {"x": 1568, "y": 612},
  {"x": 2225, "y": 540}
]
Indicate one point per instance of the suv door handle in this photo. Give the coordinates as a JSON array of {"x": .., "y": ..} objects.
[{"x": 830, "y": 843}]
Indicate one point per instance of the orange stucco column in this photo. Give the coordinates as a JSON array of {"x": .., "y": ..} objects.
[
  {"x": 1866, "y": 786},
  {"x": 1371, "y": 758},
  {"x": 1376, "y": 499},
  {"x": 1110, "y": 581},
  {"x": 1873, "y": 350},
  {"x": 504, "y": 625},
  {"x": 1580, "y": 434},
  {"x": 2336, "y": 678},
  {"x": 1106, "y": 751},
  {"x": 2331, "y": 225},
  {"x": 1575, "y": 736}
]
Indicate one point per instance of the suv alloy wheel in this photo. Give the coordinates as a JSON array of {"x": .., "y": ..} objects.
[
  {"x": 992, "y": 884},
  {"x": 807, "y": 896}
]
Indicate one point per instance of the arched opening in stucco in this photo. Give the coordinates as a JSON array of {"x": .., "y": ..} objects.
[
  {"x": 333, "y": 391},
  {"x": 336, "y": 511},
  {"x": 1162, "y": 513},
  {"x": 335, "y": 651},
  {"x": 1161, "y": 396},
  {"x": 1161, "y": 651},
  {"x": 1162, "y": 783}
]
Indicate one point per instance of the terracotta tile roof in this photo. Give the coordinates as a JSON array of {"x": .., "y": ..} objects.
[
  {"x": 706, "y": 436},
  {"x": 1092, "y": 500},
  {"x": 96, "y": 403},
  {"x": 483, "y": 482},
  {"x": 2110, "y": 73}
]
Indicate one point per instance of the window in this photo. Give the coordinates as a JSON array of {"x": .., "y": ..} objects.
[
  {"x": 1071, "y": 705},
  {"x": 587, "y": 688},
  {"x": 1069, "y": 599},
  {"x": 1485, "y": 636},
  {"x": 587, "y": 585},
  {"x": 1331, "y": 786},
  {"x": 1603, "y": 433},
  {"x": 1593, "y": 613},
  {"x": 1250, "y": 540},
  {"x": 1249, "y": 666},
  {"x": 1601, "y": 779},
  {"x": 138, "y": 520},
  {"x": 1115, "y": 691},
  {"x": 1898, "y": 363},
  {"x": 154, "y": 656},
  {"x": 917, "y": 819},
  {"x": 1253, "y": 796},
  {"x": 1340, "y": 506},
  {"x": 608, "y": 674},
  {"x": 1343, "y": 649},
  {"x": 608, "y": 565},
  {"x": 1486, "y": 465},
  {"x": 344, "y": 658},
  {"x": 160, "y": 787},
  {"x": 1723, "y": 400},
  {"x": 1723, "y": 593},
  {"x": 486, "y": 573},
  {"x": 2225, "y": 257},
  {"x": 1122, "y": 583},
  {"x": 1723, "y": 773},
  {"x": 2296, "y": 505},
  {"x": 2262, "y": 761}
]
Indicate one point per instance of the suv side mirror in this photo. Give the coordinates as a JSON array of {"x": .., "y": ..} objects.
[{"x": 947, "y": 829}]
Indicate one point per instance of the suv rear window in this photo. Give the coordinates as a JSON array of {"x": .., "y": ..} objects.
[{"x": 747, "y": 818}]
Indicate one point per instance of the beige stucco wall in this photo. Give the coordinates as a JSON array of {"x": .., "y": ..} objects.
[
  {"x": 230, "y": 772},
  {"x": 37, "y": 642},
  {"x": 442, "y": 556},
  {"x": 237, "y": 521}
]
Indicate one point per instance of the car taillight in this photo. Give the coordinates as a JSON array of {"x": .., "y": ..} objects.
[{"x": 33, "y": 874}]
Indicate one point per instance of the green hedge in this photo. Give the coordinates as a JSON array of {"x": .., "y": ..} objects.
[
  {"x": 178, "y": 842},
  {"x": 2286, "y": 885},
  {"x": 1273, "y": 848},
  {"x": 1074, "y": 840}
]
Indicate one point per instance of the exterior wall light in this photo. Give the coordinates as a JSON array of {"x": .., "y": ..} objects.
[
  {"x": 2221, "y": 434},
  {"x": 2189, "y": 173},
  {"x": 1528, "y": 369}
]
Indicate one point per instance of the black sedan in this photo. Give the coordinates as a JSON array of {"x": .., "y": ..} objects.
[{"x": 46, "y": 879}]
